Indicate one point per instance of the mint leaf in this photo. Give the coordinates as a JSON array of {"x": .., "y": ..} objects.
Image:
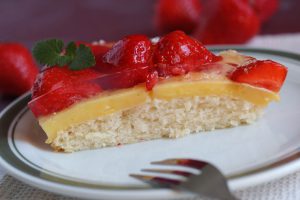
[
  {"x": 63, "y": 60},
  {"x": 71, "y": 49},
  {"x": 84, "y": 58},
  {"x": 52, "y": 52},
  {"x": 47, "y": 52}
]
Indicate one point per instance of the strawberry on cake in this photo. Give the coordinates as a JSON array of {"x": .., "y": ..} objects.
[{"x": 137, "y": 89}]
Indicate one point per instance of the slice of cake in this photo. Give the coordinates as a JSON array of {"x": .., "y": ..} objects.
[{"x": 141, "y": 90}]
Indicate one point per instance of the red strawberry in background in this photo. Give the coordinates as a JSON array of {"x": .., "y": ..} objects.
[
  {"x": 171, "y": 15},
  {"x": 215, "y": 21},
  {"x": 264, "y": 8},
  {"x": 17, "y": 69},
  {"x": 176, "y": 53},
  {"x": 262, "y": 73},
  {"x": 228, "y": 21}
]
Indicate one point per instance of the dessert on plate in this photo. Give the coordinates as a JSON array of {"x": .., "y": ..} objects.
[{"x": 140, "y": 89}]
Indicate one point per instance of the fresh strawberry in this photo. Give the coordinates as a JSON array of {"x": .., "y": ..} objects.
[
  {"x": 171, "y": 15},
  {"x": 265, "y": 73},
  {"x": 176, "y": 53},
  {"x": 264, "y": 8},
  {"x": 229, "y": 22},
  {"x": 17, "y": 69},
  {"x": 133, "y": 50}
]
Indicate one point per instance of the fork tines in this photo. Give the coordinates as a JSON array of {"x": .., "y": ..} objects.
[{"x": 169, "y": 182}]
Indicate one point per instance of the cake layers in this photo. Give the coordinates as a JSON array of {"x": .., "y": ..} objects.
[
  {"x": 164, "y": 94},
  {"x": 157, "y": 118}
]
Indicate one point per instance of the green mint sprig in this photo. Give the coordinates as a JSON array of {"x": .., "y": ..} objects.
[{"x": 52, "y": 53}]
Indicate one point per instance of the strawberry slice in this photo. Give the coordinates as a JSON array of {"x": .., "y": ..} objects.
[
  {"x": 176, "y": 54},
  {"x": 131, "y": 51},
  {"x": 262, "y": 73},
  {"x": 17, "y": 69},
  {"x": 171, "y": 15}
]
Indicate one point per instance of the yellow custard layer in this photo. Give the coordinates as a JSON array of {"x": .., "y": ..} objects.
[{"x": 195, "y": 84}]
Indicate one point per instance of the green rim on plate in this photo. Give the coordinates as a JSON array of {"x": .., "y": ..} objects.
[{"x": 8, "y": 116}]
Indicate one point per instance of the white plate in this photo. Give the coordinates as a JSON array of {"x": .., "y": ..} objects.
[{"x": 247, "y": 155}]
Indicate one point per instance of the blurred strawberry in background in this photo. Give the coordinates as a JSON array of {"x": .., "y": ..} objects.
[
  {"x": 264, "y": 8},
  {"x": 17, "y": 69},
  {"x": 229, "y": 21},
  {"x": 215, "y": 21},
  {"x": 174, "y": 14}
]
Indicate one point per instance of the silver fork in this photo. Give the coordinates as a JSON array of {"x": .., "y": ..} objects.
[{"x": 210, "y": 182}]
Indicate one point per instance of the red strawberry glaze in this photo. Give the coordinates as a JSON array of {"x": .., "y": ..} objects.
[
  {"x": 57, "y": 88},
  {"x": 131, "y": 61},
  {"x": 63, "y": 97},
  {"x": 125, "y": 64},
  {"x": 152, "y": 79}
]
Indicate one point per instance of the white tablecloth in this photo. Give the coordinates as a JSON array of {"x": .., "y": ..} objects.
[{"x": 286, "y": 188}]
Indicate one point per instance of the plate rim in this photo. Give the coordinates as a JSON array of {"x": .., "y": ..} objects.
[{"x": 288, "y": 164}]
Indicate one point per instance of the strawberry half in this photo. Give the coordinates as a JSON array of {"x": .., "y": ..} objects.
[
  {"x": 176, "y": 53},
  {"x": 171, "y": 15},
  {"x": 262, "y": 73},
  {"x": 133, "y": 50},
  {"x": 17, "y": 69}
]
